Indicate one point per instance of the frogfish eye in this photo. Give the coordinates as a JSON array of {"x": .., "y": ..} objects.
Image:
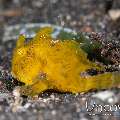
[{"x": 21, "y": 51}]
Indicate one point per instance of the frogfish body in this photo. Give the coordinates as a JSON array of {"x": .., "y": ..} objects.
[{"x": 43, "y": 63}]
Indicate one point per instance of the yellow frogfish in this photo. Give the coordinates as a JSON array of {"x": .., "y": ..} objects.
[{"x": 43, "y": 63}]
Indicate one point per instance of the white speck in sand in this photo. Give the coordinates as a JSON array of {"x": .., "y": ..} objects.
[
  {"x": 104, "y": 95},
  {"x": 27, "y": 105},
  {"x": 16, "y": 92}
]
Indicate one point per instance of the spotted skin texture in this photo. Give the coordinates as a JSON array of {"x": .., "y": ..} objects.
[{"x": 43, "y": 63}]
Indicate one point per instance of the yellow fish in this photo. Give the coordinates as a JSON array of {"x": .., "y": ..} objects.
[{"x": 43, "y": 63}]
